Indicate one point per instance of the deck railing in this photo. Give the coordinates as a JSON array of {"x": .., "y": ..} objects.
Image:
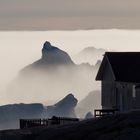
[
  {"x": 29, "y": 123},
  {"x": 104, "y": 112}
]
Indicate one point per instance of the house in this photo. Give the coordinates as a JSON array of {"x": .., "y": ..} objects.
[{"x": 119, "y": 74}]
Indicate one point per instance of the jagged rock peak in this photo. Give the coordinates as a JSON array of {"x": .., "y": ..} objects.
[
  {"x": 68, "y": 100},
  {"x": 53, "y": 55},
  {"x": 47, "y": 45},
  {"x": 64, "y": 108}
]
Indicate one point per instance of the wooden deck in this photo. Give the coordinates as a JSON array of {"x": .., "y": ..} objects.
[
  {"x": 104, "y": 112},
  {"x": 29, "y": 123}
]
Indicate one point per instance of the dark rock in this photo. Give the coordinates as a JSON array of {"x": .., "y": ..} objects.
[
  {"x": 51, "y": 57},
  {"x": 89, "y": 103},
  {"x": 10, "y": 114},
  {"x": 64, "y": 108},
  {"x": 54, "y": 56},
  {"x": 89, "y": 115}
]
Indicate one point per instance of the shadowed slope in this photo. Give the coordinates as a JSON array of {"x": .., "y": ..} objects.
[{"x": 119, "y": 127}]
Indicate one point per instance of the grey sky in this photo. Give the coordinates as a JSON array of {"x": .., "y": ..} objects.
[{"x": 69, "y": 14}]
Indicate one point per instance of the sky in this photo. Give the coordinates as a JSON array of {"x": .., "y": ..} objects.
[{"x": 69, "y": 14}]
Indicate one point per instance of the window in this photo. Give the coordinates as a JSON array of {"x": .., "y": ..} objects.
[{"x": 134, "y": 91}]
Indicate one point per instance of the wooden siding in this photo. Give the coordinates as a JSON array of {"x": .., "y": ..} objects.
[
  {"x": 136, "y": 100},
  {"x": 117, "y": 95},
  {"x": 108, "y": 95}
]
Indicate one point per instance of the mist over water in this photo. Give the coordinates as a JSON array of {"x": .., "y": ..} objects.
[{"x": 18, "y": 49}]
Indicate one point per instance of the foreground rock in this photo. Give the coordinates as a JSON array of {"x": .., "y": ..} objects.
[
  {"x": 89, "y": 115},
  {"x": 123, "y": 126},
  {"x": 64, "y": 108},
  {"x": 10, "y": 114}
]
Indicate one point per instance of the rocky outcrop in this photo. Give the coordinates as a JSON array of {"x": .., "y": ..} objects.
[
  {"x": 52, "y": 57},
  {"x": 64, "y": 108},
  {"x": 89, "y": 115},
  {"x": 10, "y": 114}
]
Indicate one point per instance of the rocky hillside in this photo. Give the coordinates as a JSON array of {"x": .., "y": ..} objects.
[{"x": 118, "y": 127}]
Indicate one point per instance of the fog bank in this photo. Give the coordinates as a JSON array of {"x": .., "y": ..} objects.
[{"x": 18, "y": 49}]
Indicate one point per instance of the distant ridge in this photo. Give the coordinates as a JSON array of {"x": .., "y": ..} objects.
[
  {"x": 92, "y": 49},
  {"x": 89, "y": 55}
]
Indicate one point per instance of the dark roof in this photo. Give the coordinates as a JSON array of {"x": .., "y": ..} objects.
[{"x": 125, "y": 66}]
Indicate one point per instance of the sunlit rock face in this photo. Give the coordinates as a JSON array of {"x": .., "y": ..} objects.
[
  {"x": 51, "y": 60},
  {"x": 64, "y": 108}
]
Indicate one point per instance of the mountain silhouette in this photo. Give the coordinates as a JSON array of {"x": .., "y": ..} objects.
[
  {"x": 10, "y": 114},
  {"x": 52, "y": 57},
  {"x": 123, "y": 126},
  {"x": 89, "y": 55},
  {"x": 51, "y": 77},
  {"x": 64, "y": 108}
]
